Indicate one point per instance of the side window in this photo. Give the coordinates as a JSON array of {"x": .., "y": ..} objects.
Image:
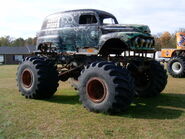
[{"x": 87, "y": 19}]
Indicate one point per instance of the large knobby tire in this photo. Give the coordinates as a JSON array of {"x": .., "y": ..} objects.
[
  {"x": 37, "y": 78},
  {"x": 176, "y": 67},
  {"x": 150, "y": 77},
  {"x": 106, "y": 88}
]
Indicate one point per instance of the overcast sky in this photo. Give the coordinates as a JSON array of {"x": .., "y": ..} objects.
[{"x": 23, "y": 18}]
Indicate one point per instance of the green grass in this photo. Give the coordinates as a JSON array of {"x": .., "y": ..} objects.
[{"x": 63, "y": 116}]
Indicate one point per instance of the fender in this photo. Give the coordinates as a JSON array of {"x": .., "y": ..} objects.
[{"x": 125, "y": 37}]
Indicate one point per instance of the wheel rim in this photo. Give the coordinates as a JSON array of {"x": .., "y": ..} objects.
[
  {"x": 27, "y": 78},
  {"x": 96, "y": 90},
  {"x": 176, "y": 67}
]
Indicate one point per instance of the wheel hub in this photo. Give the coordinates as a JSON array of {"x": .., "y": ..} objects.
[
  {"x": 27, "y": 78},
  {"x": 176, "y": 67},
  {"x": 96, "y": 90}
]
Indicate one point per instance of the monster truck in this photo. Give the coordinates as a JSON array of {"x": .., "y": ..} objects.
[
  {"x": 176, "y": 62},
  {"x": 107, "y": 60}
]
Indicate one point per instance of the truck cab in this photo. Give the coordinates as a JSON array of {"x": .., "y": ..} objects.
[{"x": 92, "y": 31}]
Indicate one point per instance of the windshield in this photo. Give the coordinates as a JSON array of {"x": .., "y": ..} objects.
[{"x": 107, "y": 20}]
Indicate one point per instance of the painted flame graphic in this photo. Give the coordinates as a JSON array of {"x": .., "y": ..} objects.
[{"x": 181, "y": 39}]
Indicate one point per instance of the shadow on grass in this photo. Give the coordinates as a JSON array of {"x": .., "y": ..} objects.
[
  {"x": 65, "y": 99},
  {"x": 165, "y": 106}
]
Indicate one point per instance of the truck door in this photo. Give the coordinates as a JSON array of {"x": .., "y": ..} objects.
[
  {"x": 88, "y": 32},
  {"x": 67, "y": 32}
]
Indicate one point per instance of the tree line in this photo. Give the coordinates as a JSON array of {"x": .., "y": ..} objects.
[
  {"x": 162, "y": 40},
  {"x": 166, "y": 40},
  {"x": 9, "y": 41}
]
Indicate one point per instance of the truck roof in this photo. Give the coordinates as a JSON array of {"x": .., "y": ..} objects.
[{"x": 85, "y": 10}]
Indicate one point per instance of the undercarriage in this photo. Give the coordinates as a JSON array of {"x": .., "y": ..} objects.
[{"x": 70, "y": 66}]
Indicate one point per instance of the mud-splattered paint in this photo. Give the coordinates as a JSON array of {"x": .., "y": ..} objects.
[{"x": 65, "y": 31}]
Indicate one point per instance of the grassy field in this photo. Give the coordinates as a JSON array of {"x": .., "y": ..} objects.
[{"x": 64, "y": 117}]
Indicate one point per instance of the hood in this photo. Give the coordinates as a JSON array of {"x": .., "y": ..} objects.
[{"x": 125, "y": 28}]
